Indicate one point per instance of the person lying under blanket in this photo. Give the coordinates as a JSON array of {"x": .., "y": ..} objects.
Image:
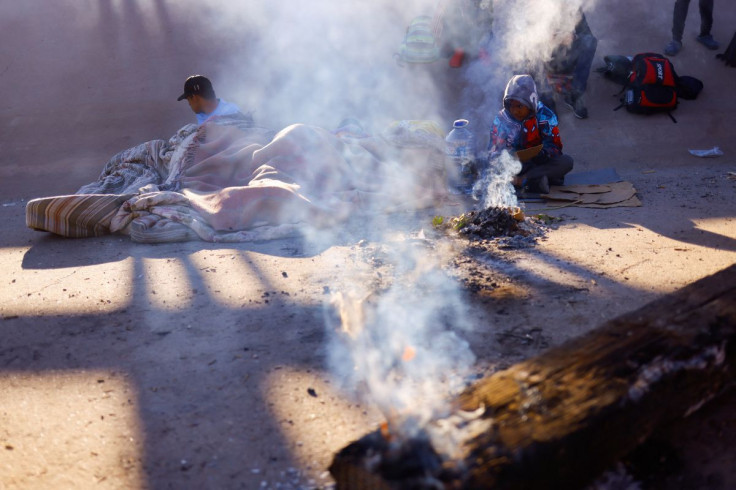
[{"x": 227, "y": 180}]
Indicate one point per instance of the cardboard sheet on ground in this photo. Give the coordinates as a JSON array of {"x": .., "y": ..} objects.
[
  {"x": 595, "y": 181},
  {"x": 614, "y": 194}
]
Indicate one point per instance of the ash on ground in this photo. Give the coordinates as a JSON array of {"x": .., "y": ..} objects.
[{"x": 508, "y": 227}]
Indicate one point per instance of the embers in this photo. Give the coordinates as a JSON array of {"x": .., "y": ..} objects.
[
  {"x": 389, "y": 463},
  {"x": 434, "y": 456}
]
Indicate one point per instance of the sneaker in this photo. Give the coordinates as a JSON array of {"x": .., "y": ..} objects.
[
  {"x": 673, "y": 47},
  {"x": 576, "y": 105},
  {"x": 708, "y": 42}
]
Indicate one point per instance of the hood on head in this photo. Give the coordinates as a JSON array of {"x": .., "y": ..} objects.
[{"x": 523, "y": 89}]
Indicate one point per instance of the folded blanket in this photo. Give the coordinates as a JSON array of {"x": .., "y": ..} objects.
[{"x": 74, "y": 216}]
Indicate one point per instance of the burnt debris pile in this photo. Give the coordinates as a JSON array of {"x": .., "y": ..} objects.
[{"x": 507, "y": 225}]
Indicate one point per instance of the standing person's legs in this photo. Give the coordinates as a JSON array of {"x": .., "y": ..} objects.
[
  {"x": 678, "y": 27},
  {"x": 706, "y": 17},
  {"x": 678, "y": 19},
  {"x": 577, "y": 60},
  {"x": 584, "y": 51},
  {"x": 706, "y": 23},
  {"x": 580, "y": 55}
]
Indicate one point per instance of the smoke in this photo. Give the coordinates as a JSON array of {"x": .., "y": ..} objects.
[
  {"x": 398, "y": 344},
  {"x": 533, "y": 29},
  {"x": 321, "y": 61},
  {"x": 523, "y": 37},
  {"x": 495, "y": 187},
  {"x": 399, "y": 348}
]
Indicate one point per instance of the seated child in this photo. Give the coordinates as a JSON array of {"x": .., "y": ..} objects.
[{"x": 525, "y": 122}]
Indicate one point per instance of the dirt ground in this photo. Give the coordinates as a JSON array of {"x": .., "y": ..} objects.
[{"x": 197, "y": 365}]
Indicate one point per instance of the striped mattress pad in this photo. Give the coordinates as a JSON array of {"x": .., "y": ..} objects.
[{"x": 76, "y": 215}]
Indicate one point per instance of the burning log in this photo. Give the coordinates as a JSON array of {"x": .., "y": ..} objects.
[{"x": 562, "y": 418}]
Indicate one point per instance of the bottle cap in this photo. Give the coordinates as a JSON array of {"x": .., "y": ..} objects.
[{"x": 460, "y": 123}]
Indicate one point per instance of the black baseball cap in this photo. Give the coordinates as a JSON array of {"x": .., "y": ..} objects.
[{"x": 198, "y": 85}]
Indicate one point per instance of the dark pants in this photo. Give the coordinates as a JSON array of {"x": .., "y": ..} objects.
[
  {"x": 555, "y": 169},
  {"x": 576, "y": 59},
  {"x": 680, "y": 14}
]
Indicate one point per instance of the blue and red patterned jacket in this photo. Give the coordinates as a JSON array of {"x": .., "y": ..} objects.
[{"x": 540, "y": 127}]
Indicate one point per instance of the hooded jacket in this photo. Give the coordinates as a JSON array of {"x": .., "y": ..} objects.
[{"x": 540, "y": 127}]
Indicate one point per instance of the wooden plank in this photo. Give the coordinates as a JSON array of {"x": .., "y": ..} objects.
[{"x": 560, "y": 419}]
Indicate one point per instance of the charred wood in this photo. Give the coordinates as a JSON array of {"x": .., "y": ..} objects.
[{"x": 560, "y": 419}]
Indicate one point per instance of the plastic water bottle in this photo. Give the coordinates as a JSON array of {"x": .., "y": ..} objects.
[{"x": 460, "y": 150}]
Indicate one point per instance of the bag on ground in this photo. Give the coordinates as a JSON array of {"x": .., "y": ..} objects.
[
  {"x": 688, "y": 87},
  {"x": 616, "y": 69},
  {"x": 652, "y": 85},
  {"x": 420, "y": 44}
]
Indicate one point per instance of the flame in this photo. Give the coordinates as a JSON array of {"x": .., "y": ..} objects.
[
  {"x": 386, "y": 431},
  {"x": 409, "y": 354}
]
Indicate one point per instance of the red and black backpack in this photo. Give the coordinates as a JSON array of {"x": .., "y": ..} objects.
[{"x": 652, "y": 85}]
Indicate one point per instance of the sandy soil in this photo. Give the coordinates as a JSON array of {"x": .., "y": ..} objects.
[{"x": 194, "y": 365}]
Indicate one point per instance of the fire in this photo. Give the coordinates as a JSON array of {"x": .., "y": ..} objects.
[
  {"x": 386, "y": 431},
  {"x": 409, "y": 354}
]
